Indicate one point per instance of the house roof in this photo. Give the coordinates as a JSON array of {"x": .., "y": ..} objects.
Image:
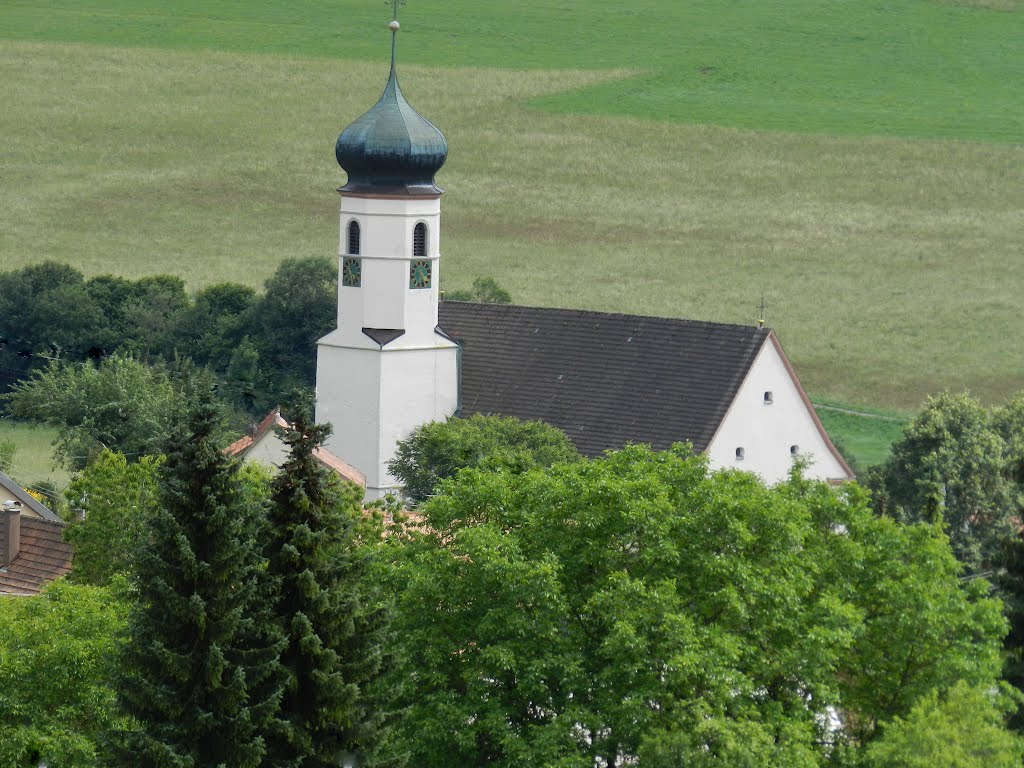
[
  {"x": 43, "y": 557},
  {"x": 271, "y": 420},
  {"x": 274, "y": 419},
  {"x": 10, "y": 489},
  {"x": 605, "y": 379}
]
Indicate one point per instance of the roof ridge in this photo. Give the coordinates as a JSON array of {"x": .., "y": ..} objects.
[{"x": 601, "y": 313}]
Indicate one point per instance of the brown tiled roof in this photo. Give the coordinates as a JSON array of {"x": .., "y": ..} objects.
[
  {"x": 605, "y": 379},
  {"x": 344, "y": 469},
  {"x": 43, "y": 557}
]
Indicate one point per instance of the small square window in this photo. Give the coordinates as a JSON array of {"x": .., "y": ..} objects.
[
  {"x": 794, "y": 450},
  {"x": 740, "y": 453}
]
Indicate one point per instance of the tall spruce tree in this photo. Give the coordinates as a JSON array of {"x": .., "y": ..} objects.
[
  {"x": 200, "y": 671},
  {"x": 336, "y": 635}
]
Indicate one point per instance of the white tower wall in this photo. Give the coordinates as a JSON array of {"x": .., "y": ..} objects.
[{"x": 373, "y": 389}]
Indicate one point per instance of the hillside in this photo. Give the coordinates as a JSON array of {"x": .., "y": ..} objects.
[{"x": 859, "y": 168}]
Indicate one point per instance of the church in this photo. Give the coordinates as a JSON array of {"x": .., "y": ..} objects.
[{"x": 401, "y": 357}]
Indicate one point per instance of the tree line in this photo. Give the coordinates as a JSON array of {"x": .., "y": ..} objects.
[{"x": 259, "y": 346}]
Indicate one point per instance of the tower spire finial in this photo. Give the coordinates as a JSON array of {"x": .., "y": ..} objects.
[{"x": 394, "y": 27}]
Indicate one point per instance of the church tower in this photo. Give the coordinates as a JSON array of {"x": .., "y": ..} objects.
[{"x": 387, "y": 368}]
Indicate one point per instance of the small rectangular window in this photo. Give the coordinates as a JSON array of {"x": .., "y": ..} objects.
[
  {"x": 353, "y": 238},
  {"x": 768, "y": 398}
]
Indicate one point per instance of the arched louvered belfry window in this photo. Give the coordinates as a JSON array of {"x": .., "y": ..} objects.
[
  {"x": 419, "y": 241},
  {"x": 353, "y": 238}
]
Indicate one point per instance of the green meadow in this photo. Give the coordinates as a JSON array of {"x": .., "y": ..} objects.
[
  {"x": 859, "y": 166},
  {"x": 33, "y": 461}
]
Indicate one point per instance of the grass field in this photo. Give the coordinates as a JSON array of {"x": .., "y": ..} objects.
[
  {"x": 34, "y": 459},
  {"x": 861, "y": 167},
  {"x": 866, "y": 435},
  {"x": 931, "y": 68}
]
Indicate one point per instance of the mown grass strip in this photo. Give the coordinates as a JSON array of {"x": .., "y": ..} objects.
[{"x": 915, "y": 68}]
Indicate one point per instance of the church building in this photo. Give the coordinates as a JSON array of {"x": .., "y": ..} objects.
[{"x": 400, "y": 357}]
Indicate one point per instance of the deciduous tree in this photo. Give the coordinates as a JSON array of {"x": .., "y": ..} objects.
[
  {"x": 56, "y": 664},
  {"x": 117, "y": 497},
  {"x": 119, "y": 404},
  {"x": 950, "y": 467},
  {"x": 960, "y": 728},
  {"x": 640, "y": 606},
  {"x": 439, "y": 450}
]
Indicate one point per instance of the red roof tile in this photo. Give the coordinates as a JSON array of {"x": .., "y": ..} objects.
[{"x": 42, "y": 557}]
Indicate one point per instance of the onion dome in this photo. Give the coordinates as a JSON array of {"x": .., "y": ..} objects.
[{"x": 392, "y": 149}]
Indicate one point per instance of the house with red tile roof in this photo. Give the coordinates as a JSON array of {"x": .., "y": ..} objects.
[
  {"x": 32, "y": 550},
  {"x": 264, "y": 444}
]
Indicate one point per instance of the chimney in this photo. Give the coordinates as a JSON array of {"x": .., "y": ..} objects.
[{"x": 11, "y": 520}]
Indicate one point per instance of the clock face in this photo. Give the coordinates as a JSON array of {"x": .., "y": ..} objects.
[
  {"x": 419, "y": 273},
  {"x": 351, "y": 273}
]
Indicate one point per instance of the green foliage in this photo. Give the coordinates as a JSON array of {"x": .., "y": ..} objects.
[
  {"x": 950, "y": 467},
  {"x": 299, "y": 306},
  {"x": 56, "y": 653},
  {"x": 439, "y": 450},
  {"x": 923, "y": 628},
  {"x": 961, "y": 728},
  {"x": 325, "y": 605},
  {"x": 1008, "y": 421},
  {"x": 485, "y": 290},
  {"x": 200, "y": 670},
  {"x": 8, "y": 450},
  {"x": 260, "y": 347},
  {"x": 117, "y": 497},
  {"x": 119, "y": 404},
  {"x": 640, "y": 605}
]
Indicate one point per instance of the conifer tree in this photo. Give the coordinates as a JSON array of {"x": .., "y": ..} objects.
[
  {"x": 335, "y": 635},
  {"x": 200, "y": 671}
]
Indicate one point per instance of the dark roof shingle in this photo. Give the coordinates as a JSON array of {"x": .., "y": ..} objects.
[{"x": 605, "y": 379}]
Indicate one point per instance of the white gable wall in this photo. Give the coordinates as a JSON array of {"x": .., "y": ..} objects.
[
  {"x": 766, "y": 433},
  {"x": 269, "y": 449}
]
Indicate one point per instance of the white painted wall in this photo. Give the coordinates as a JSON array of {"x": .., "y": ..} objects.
[
  {"x": 767, "y": 432},
  {"x": 269, "y": 449},
  {"x": 375, "y": 397}
]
